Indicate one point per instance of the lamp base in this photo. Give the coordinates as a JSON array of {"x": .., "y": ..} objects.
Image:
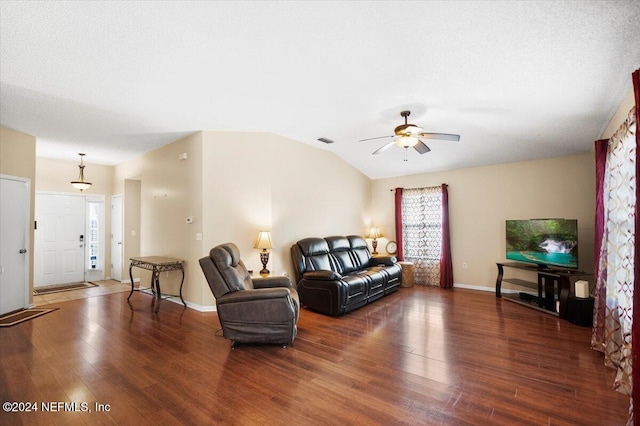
[
  {"x": 374, "y": 244},
  {"x": 264, "y": 258}
]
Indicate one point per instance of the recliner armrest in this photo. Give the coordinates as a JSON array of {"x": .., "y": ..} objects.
[
  {"x": 383, "y": 260},
  {"x": 322, "y": 275},
  {"x": 252, "y": 295},
  {"x": 272, "y": 282}
]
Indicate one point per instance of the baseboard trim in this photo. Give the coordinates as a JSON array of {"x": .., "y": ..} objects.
[
  {"x": 191, "y": 305},
  {"x": 201, "y": 308}
]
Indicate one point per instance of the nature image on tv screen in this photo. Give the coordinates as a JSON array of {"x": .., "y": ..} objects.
[{"x": 552, "y": 242}]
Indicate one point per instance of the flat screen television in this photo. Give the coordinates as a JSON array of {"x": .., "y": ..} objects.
[{"x": 545, "y": 242}]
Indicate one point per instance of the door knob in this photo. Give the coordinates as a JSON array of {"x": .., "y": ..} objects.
[{"x": 22, "y": 251}]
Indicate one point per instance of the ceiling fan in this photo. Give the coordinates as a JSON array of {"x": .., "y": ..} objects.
[{"x": 407, "y": 136}]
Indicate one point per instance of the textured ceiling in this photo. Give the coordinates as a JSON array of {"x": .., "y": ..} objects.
[{"x": 517, "y": 80}]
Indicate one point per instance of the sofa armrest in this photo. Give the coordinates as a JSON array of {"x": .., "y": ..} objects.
[
  {"x": 272, "y": 282},
  {"x": 322, "y": 275},
  {"x": 383, "y": 260}
]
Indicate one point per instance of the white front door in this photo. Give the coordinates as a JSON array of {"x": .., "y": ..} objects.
[
  {"x": 14, "y": 244},
  {"x": 116, "y": 237},
  {"x": 59, "y": 239}
]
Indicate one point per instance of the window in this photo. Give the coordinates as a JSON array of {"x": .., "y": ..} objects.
[
  {"x": 95, "y": 255},
  {"x": 93, "y": 236},
  {"x": 422, "y": 232}
]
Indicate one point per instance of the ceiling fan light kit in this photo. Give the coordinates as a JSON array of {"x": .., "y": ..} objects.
[
  {"x": 407, "y": 136},
  {"x": 406, "y": 141}
]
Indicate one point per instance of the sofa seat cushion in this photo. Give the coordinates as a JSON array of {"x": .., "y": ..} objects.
[
  {"x": 377, "y": 277},
  {"x": 357, "y": 287}
]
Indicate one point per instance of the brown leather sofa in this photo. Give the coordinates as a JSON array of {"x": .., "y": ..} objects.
[
  {"x": 335, "y": 275},
  {"x": 251, "y": 310}
]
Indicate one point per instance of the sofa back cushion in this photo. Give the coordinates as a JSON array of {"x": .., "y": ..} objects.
[
  {"x": 339, "y": 254},
  {"x": 340, "y": 250},
  {"x": 360, "y": 251},
  {"x": 315, "y": 255}
]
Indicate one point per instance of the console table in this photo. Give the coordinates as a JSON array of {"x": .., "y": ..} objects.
[
  {"x": 156, "y": 265},
  {"x": 547, "y": 279}
]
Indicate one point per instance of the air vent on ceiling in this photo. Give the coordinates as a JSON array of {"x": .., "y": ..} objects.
[{"x": 325, "y": 140}]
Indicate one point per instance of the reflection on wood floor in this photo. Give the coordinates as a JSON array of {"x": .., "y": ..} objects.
[
  {"x": 418, "y": 356},
  {"x": 104, "y": 287}
]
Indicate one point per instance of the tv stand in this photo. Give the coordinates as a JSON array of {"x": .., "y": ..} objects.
[{"x": 548, "y": 279}]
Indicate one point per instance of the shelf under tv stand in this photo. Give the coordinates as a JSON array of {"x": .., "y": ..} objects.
[{"x": 547, "y": 278}]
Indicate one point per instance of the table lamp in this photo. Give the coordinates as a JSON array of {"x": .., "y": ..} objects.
[
  {"x": 264, "y": 242},
  {"x": 375, "y": 234}
]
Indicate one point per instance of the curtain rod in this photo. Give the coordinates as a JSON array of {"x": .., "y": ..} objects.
[{"x": 393, "y": 189}]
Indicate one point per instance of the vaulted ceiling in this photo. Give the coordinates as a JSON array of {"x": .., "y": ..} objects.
[{"x": 517, "y": 80}]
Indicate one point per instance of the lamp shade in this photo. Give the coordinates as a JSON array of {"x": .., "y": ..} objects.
[
  {"x": 374, "y": 233},
  {"x": 80, "y": 185},
  {"x": 264, "y": 240}
]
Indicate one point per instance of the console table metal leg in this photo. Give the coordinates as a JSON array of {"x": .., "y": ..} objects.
[
  {"x": 156, "y": 286},
  {"x": 499, "y": 280},
  {"x": 182, "y": 282},
  {"x": 131, "y": 278}
]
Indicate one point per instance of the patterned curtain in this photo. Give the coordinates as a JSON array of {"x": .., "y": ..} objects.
[
  {"x": 635, "y": 349},
  {"x": 422, "y": 232},
  {"x": 615, "y": 218}
]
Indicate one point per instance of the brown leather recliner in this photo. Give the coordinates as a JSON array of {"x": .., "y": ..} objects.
[{"x": 251, "y": 310}]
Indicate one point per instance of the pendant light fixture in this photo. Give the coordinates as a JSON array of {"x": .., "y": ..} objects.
[{"x": 80, "y": 183}]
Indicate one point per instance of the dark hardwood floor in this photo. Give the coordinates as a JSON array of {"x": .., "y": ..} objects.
[{"x": 418, "y": 356}]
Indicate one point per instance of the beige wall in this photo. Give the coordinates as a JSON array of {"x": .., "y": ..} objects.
[
  {"x": 55, "y": 176},
  {"x": 131, "y": 206},
  {"x": 18, "y": 158},
  {"x": 169, "y": 190},
  {"x": 258, "y": 181},
  {"x": 482, "y": 198},
  {"x": 234, "y": 185}
]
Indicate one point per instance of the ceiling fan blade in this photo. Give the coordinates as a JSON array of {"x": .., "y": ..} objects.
[
  {"x": 379, "y": 137},
  {"x": 441, "y": 136},
  {"x": 421, "y": 148},
  {"x": 384, "y": 148}
]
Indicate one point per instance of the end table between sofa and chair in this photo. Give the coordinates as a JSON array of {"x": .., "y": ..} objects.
[
  {"x": 408, "y": 273},
  {"x": 157, "y": 264}
]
